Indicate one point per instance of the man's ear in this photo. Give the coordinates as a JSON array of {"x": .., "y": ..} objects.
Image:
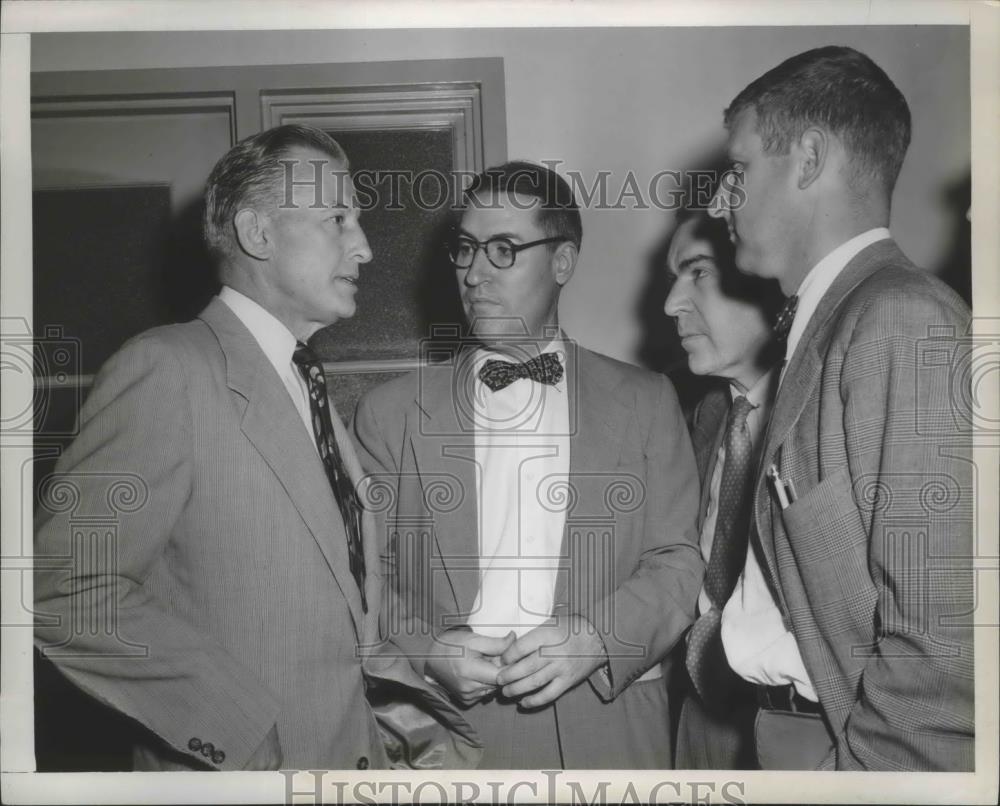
[
  {"x": 564, "y": 262},
  {"x": 814, "y": 149},
  {"x": 252, "y": 234}
]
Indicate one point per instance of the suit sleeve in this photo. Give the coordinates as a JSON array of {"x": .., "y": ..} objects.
[
  {"x": 909, "y": 450},
  {"x": 105, "y": 521},
  {"x": 655, "y": 605},
  {"x": 378, "y": 450}
]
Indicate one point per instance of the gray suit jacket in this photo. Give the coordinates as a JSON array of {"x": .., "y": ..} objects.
[
  {"x": 872, "y": 564},
  {"x": 630, "y": 558},
  {"x": 191, "y": 561}
]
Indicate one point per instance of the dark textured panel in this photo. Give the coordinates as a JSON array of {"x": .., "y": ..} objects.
[
  {"x": 111, "y": 262},
  {"x": 347, "y": 389},
  {"x": 99, "y": 264},
  {"x": 408, "y": 283}
]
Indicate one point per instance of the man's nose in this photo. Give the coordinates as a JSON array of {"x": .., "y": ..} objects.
[
  {"x": 719, "y": 206},
  {"x": 361, "y": 252},
  {"x": 480, "y": 267},
  {"x": 675, "y": 301}
]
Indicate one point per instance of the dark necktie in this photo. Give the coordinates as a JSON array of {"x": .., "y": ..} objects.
[
  {"x": 545, "y": 368},
  {"x": 706, "y": 658},
  {"x": 311, "y": 369},
  {"x": 785, "y": 317}
]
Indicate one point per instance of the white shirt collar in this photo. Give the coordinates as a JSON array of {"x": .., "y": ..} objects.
[
  {"x": 761, "y": 393},
  {"x": 821, "y": 277},
  {"x": 274, "y": 338}
]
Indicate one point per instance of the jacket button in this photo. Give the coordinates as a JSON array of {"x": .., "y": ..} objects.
[
  {"x": 363, "y": 763},
  {"x": 207, "y": 749},
  {"x": 194, "y": 745},
  {"x": 218, "y": 756}
]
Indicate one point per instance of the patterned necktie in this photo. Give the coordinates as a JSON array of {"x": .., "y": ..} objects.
[
  {"x": 706, "y": 658},
  {"x": 785, "y": 317},
  {"x": 545, "y": 368},
  {"x": 311, "y": 369}
]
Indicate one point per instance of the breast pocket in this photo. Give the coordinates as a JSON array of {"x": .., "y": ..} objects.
[
  {"x": 829, "y": 544},
  {"x": 825, "y": 526}
]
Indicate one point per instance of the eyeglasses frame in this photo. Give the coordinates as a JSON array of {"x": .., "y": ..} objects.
[{"x": 515, "y": 248}]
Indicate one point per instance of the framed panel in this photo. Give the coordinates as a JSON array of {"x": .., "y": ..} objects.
[{"x": 456, "y": 108}]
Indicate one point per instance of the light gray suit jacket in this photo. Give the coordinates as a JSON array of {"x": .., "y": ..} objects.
[
  {"x": 630, "y": 558},
  {"x": 191, "y": 561},
  {"x": 872, "y": 564}
]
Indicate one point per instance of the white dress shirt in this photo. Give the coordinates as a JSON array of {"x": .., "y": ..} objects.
[
  {"x": 522, "y": 456},
  {"x": 278, "y": 344},
  {"x": 757, "y": 645}
]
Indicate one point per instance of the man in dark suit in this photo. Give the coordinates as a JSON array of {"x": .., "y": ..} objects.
[
  {"x": 724, "y": 320},
  {"x": 542, "y": 508},
  {"x": 852, "y": 615},
  {"x": 223, "y": 605}
]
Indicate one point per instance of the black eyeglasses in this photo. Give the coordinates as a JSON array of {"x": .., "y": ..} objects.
[{"x": 501, "y": 252}]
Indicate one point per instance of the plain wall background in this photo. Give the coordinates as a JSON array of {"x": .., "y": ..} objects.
[{"x": 619, "y": 100}]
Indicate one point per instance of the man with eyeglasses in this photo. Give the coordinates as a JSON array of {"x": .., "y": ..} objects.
[{"x": 541, "y": 522}]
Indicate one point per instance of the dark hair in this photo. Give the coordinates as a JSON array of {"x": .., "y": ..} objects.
[
  {"x": 765, "y": 292},
  {"x": 250, "y": 174},
  {"x": 558, "y": 213},
  {"x": 841, "y": 90}
]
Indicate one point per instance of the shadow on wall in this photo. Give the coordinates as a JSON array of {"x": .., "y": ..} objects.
[{"x": 956, "y": 267}]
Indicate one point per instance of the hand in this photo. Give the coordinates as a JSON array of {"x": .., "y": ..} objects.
[
  {"x": 466, "y": 663},
  {"x": 550, "y": 659},
  {"x": 268, "y": 756}
]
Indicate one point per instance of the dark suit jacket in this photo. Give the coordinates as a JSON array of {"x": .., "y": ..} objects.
[
  {"x": 191, "y": 561},
  {"x": 872, "y": 563},
  {"x": 631, "y": 562}
]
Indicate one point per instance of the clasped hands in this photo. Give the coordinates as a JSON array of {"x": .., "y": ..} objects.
[{"x": 534, "y": 669}]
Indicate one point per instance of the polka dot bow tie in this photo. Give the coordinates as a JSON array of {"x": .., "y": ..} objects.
[{"x": 545, "y": 368}]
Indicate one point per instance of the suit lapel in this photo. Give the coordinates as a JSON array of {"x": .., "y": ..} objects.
[
  {"x": 272, "y": 424},
  {"x": 598, "y": 418},
  {"x": 802, "y": 376},
  {"x": 444, "y": 453}
]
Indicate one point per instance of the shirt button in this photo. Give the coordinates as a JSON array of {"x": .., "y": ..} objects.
[
  {"x": 218, "y": 756},
  {"x": 194, "y": 744},
  {"x": 363, "y": 763},
  {"x": 207, "y": 749}
]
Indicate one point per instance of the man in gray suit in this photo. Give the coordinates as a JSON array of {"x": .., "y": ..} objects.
[
  {"x": 224, "y": 606},
  {"x": 541, "y": 522},
  {"x": 853, "y": 614},
  {"x": 724, "y": 320}
]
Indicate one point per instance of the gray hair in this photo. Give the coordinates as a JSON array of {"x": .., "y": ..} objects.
[{"x": 249, "y": 175}]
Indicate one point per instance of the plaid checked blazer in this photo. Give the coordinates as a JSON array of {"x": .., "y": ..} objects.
[{"x": 871, "y": 565}]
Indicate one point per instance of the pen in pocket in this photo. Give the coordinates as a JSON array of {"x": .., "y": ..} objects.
[{"x": 784, "y": 490}]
